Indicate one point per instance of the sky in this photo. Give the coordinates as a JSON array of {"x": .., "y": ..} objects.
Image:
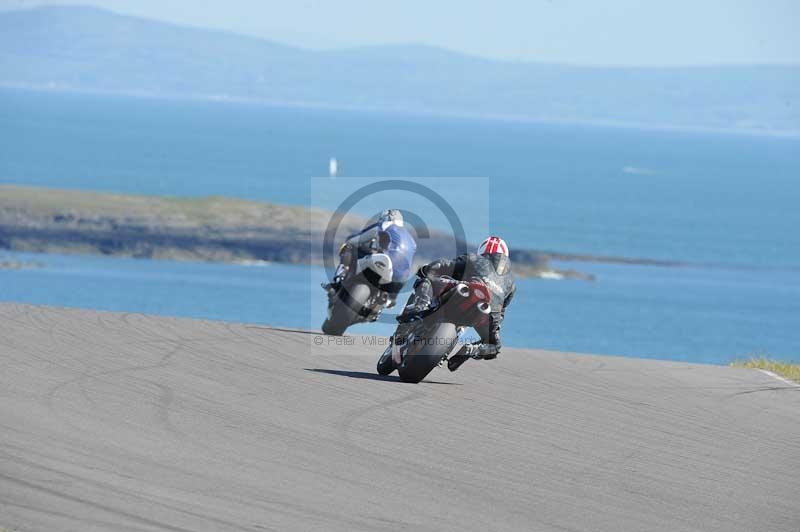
[{"x": 587, "y": 32}]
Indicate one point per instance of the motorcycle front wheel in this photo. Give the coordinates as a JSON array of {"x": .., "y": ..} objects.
[{"x": 345, "y": 309}]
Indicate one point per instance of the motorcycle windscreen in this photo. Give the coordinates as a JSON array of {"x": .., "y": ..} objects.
[{"x": 401, "y": 250}]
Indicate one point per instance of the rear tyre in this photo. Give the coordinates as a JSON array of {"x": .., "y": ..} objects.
[
  {"x": 426, "y": 353},
  {"x": 343, "y": 315}
]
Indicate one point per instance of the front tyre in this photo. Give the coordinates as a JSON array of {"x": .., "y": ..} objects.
[
  {"x": 343, "y": 315},
  {"x": 385, "y": 363},
  {"x": 426, "y": 353}
]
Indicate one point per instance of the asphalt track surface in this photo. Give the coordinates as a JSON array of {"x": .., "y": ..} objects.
[{"x": 135, "y": 423}]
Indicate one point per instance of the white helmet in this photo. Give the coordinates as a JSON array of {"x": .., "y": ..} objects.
[
  {"x": 492, "y": 245},
  {"x": 390, "y": 217}
]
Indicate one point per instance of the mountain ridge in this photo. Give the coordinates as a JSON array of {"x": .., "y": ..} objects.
[{"x": 92, "y": 49}]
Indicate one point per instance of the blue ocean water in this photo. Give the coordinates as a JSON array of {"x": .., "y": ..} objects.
[
  {"x": 727, "y": 203},
  {"x": 692, "y": 314},
  {"x": 729, "y": 199}
]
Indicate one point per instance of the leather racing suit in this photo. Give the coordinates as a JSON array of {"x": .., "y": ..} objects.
[{"x": 495, "y": 271}]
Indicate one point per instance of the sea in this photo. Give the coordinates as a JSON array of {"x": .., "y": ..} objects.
[{"x": 723, "y": 205}]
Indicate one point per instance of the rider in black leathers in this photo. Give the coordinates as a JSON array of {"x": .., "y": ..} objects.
[{"x": 492, "y": 265}]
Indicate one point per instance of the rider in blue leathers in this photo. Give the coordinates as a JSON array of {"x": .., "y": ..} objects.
[{"x": 387, "y": 235}]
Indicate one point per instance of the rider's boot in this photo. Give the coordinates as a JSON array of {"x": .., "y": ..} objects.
[
  {"x": 464, "y": 354},
  {"x": 477, "y": 350},
  {"x": 346, "y": 260},
  {"x": 336, "y": 282}
]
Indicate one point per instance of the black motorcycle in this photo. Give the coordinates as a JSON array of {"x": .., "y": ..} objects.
[{"x": 456, "y": 306}]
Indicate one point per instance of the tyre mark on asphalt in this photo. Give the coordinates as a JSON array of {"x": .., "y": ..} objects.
[{"x": 167, "y": 395}]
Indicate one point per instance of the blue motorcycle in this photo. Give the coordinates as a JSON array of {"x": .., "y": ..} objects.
[{"x": 372, "y": 274}]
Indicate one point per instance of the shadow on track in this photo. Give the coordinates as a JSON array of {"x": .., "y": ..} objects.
[{"x": 371, "y": 376}]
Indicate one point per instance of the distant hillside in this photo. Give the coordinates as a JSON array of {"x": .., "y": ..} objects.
[{"x": 79, "y": 48}]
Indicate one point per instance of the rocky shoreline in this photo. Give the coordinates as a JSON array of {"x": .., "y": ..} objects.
[
  {"x": 18, "y": 265},
  {"x": 210, "y": 229}
]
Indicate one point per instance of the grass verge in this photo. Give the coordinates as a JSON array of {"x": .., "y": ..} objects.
[{"x": 787, "y": 370}]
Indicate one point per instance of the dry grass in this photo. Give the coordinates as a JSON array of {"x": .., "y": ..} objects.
[{"x": 787, "y": 370}]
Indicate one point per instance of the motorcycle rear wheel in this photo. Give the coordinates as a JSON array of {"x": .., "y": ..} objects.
[{"x": 425, "y": 353}]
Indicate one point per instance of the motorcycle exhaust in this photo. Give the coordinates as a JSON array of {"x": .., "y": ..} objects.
[{"x": 462, "y": 289}]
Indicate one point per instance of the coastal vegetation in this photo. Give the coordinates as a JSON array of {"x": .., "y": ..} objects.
[
  {"x": 210, "y": 228},
  {"x": 219, "y": 229},
  {"x": 788, "y": 370},
  {"x": 216, "y": 228}
]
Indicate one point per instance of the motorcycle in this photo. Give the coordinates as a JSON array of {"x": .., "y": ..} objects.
[
  {"x": 371, "y": 284},
  {"x": 456, "y": 305}
]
